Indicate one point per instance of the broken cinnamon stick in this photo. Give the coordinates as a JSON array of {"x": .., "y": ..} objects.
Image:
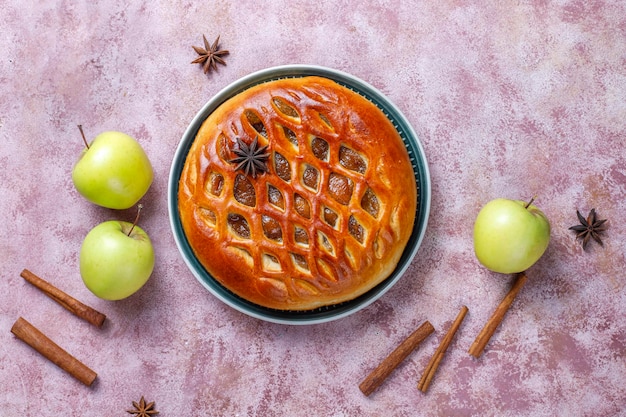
[
  {"x": 429, "y": 373},
  {"x": 391, "y": 362},
  {"x": 53, "y": 352},
  {"x": 68, "y": 302},
  {"x": 496, "y": 318}
]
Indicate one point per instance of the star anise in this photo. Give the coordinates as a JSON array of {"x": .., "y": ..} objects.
[
  {"x": 143, "y": 409},
  {"x": 209, "y": 55},
  {"x": 251, "y": 159},
  {"x": 589, "y": 228}
]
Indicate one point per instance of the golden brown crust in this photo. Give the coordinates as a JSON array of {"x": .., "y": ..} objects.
[{"x": 330, "y": 219}]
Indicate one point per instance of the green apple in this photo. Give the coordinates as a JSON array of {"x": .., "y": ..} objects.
[
  {"x": 510, "y": 235},
  {"x": 116, "y": 259},
  {"x": 113, "y": 171}
]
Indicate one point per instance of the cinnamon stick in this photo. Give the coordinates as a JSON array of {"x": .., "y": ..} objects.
[
  {"x": 391, "y": 362},
  {"x": 429, "y": 373},
  {"x": 496, "y": 318},
  {"x": 53, "y": 352},
  {"x": 70, "y": 303}
]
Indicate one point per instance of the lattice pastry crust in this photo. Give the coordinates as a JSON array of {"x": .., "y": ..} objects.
[{"x": 331, "y": 217}]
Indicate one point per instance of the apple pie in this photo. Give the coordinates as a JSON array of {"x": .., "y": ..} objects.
[{"x": 298, "y": 193}]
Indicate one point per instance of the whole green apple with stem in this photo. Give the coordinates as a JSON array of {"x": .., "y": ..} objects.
[
  {"x": 116, "y": 259},
  {"x": 113, "y": 171},
  {"x": 510, "y": 235}
]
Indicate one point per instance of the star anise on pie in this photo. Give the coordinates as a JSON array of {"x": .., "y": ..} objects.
[
  {"x": 251, "y": 159},
  {"x": 589, "y": 228},
  {"x": 143, "y": 409},
  {"x": 210, "y": 56}
]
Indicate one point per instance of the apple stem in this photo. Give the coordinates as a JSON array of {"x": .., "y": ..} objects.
[
  {"x": 139, "y": 207},
  {"x": 80, "y": 127},
  {"x": 530, "y": 202}
]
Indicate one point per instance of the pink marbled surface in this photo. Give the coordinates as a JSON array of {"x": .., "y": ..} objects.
[{"x": 509, "y": 99}]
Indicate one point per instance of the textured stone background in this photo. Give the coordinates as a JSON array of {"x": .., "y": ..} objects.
[{"x": 510, "y": 99}]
